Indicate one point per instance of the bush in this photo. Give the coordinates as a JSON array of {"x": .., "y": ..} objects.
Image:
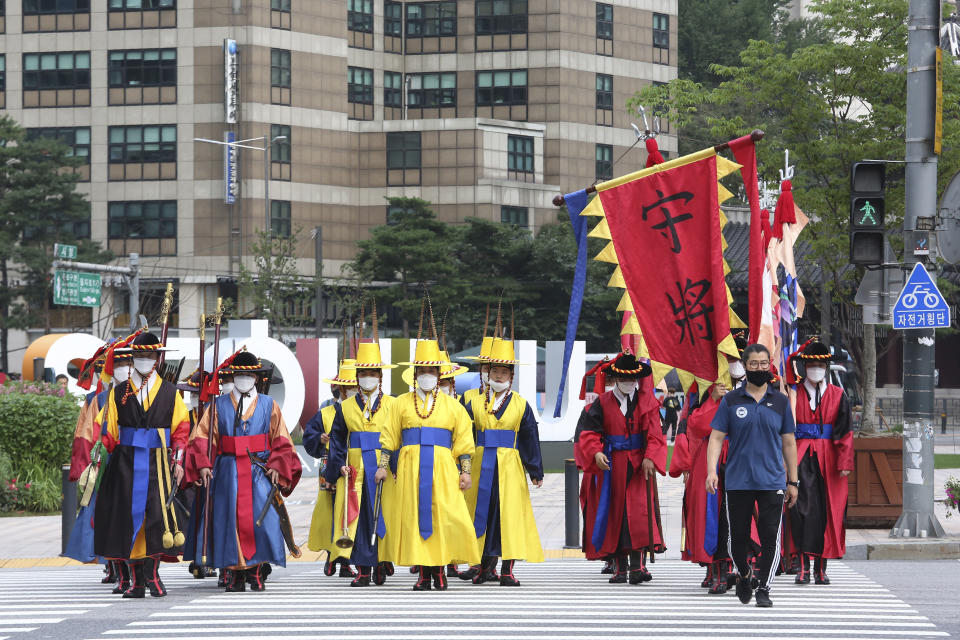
[{"x": 37, "y": 422}]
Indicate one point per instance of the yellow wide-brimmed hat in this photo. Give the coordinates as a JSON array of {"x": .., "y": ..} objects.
[
  {"x": 427, "y": 354},
  {"x": 485, "y": 348},
  {"x": 502, "y": 352},
  {"x": 347, "y": 375},
  {"x": 368, "y": 357},
  {"x": 447, "y": 370}
]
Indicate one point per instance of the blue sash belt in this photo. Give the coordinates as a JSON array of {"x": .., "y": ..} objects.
[
  {"x": 426, "y": 438},
  {"x": 711, "y": 533},
  {"x": 369, "y": 443},
  {"x": 611, "y": 444},
  {"x": 490, "y": 440},
  {"x": 811, "y": 431},
  {"x": 142, "y": 440}
]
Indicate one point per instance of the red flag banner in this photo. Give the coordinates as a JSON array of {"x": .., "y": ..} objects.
[{"x": 666, "y": 232}]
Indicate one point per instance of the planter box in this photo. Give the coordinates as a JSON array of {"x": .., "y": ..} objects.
[{"x": 876, "y": 485}]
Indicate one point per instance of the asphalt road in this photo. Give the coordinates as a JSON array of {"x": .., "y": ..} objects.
[{"x": 559, "y": 599}]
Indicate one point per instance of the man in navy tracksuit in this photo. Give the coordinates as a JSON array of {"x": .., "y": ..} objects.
[{"x": 761, "y": 469}]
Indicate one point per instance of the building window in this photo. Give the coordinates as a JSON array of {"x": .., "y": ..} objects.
[
  {"x": 35, "y": 7},
  {"x": 143, "y": 68},
  {"x": 280, "y": 68},
  {"x": 392, "y": 19},
  {"x": 359, "y": 85},
  {"x": 661, "y": 31},
  {"x": 360, "y": 15},
  {"x": 604, "y": 91},
  {"x": 141, "y": 14},
  {"x": 68, "y": 70},
  {"x": 604, "y": 21},
  {"x": 141, "y": 5},
  {"x": 518, "y": 216},
  {"x": 403, "y": 150},
  {"x": 62, "y": 227},
  {"x": 501, "y": 16},
  {"x": 392, "y": 89},
  {"x": 146, "y": 227},
  {"x": 280, "y": 5},
  {"x": 3, "y": 74},
  {"x": 280, "y": 218},
  {"x": 280, "y": 14},
  {"x": 280, "y": 151},
  {"x": 495, "y": 88},
  {"x": 431, "y": 19},
  {"x": 432, "y": 90},
  {"x": 77, "y": 138},
  {"x": 520, "y": 154},
  {"x": 604, "y": 169},
  {"x": 143, "y": 152}
]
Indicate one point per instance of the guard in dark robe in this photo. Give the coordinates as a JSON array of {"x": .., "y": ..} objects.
[
  {"x": 143, "y": 425},
  {"x": 623, "y": 445},
  {"x": 825, "y": 459}
]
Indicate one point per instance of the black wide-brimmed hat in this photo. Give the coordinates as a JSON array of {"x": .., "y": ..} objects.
[
  {"x": 627, "y": 366},
  {"x": 191, "y": 382},
  {"x": 146, "y": 342},
  {"x": 245, "y": 362},
  {"x": 817, "y": 352}
]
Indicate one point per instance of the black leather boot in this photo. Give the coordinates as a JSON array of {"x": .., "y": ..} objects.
[
  {"x": 238, "y": 581},
  {"x": 439, "y": 578},
  {"x": 123, "y": 577},
  {"x": 137, "y": 588},
  {"x": 820, "y": 571},
  {"x": 423, "y": 582},
  {"x": 803, "y": 575},
  {"x": 110, "y": 570},
  {"x": 708, "y": 580},
  {"x": 257, "y": 576},
  {"x": 488, "y": 570},
  {"x": 638, "y": 568},
  {"x": 363, "y": 577},
  {"x": 619, "y": 570},
  {"x": 151, "y": 572},
  {"x": 507, "y": 579}
]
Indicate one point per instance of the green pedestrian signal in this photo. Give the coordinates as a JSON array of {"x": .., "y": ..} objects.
[
  {"x": 867, "y": 198},
  {"x": 866, "y": 213}
]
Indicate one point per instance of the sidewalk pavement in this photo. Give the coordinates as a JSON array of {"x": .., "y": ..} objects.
[{"x": 35, "y": 540}]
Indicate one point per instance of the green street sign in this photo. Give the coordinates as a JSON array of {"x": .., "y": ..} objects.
[
  {"x": 65, "y": 251},
  {"x": 76, "y": 288}
]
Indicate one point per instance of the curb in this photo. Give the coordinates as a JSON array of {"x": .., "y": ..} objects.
[{"x": 927, "y": 550}]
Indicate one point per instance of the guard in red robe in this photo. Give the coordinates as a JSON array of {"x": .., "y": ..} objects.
[
  {"x": 825, "y": 459},
  {"x": 622, "y": 445}
]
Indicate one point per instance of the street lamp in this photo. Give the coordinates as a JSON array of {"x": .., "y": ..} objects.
[{"x": 241, "y": 144}]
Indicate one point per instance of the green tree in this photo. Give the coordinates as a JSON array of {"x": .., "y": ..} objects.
[
  {"x": 830, "y": 103},
  {"x": 275, "y": 288},
  {"x": 38, "y": 199},
  {"x": 415, "y": 250}
]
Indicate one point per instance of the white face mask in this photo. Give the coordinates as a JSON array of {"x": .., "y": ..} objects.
[
  {"x": 143, "y": 365},
  {"x": 244, "y": 384},
  {"x": 499, "y": 387},
  {"x": 447, "y": 389},
  {"x": 736, "y": 370},
  {"x": 226, "y": 387},
  {"x": 485, "y": 378},
  {"x": 816, "y": 374},
  {"x": 351, "y": 391},
  {"x": 427, "y": 382},
  {"x": 609, "y": 387},
  {"x": 626, "y": 387},
  {"x": 368, "y": 383},
  {"x": 121, "y": 373}
]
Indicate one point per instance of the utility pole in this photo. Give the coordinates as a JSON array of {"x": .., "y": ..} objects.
[
  {"x": 320, "y": 309},
  {"x": 919, "y": 349}
]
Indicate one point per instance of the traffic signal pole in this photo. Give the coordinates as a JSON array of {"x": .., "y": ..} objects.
[{"x": 918, "y": 519}]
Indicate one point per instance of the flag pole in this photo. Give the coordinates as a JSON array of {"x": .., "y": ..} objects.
[{"x": 755, "y": 136}]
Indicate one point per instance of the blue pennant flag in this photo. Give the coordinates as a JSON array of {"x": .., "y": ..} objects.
[{"x": 576, "y": 202}]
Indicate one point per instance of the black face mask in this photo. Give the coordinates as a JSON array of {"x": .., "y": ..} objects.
[{"x": 759, "y": 378}]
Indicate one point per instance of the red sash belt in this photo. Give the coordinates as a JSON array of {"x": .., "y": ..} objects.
[{"x": 238, "y": 446}]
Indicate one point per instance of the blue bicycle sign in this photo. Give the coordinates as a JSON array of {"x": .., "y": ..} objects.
[{"x": 920, "y": 304}]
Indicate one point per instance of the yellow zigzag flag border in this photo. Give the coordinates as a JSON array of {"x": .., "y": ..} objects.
[{"x": 608, "y": 254}]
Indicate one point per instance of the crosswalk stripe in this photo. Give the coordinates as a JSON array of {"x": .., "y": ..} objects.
[{"x": 565, "y": 599}]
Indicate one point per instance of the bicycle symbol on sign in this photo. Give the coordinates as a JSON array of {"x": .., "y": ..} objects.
[{"x": 911, "y": 299}]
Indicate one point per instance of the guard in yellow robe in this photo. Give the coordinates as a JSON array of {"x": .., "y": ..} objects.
[
  {"x": 354, "y": 459},
  {"x": 508, "y": 442},
  {"x": 428, "y": 431},
  {"x": 316, "y": 436}
]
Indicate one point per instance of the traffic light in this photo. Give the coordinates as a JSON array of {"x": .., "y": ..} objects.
[{"x": 867, "y": 185}]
